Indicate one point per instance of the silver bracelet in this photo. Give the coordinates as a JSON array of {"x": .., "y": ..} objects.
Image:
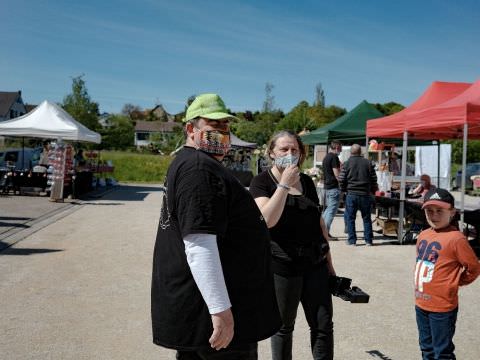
[{"x": 283, "y": 186}]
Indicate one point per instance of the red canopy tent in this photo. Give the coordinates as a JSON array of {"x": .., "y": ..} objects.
[
  {"x": 447, "y": 120},
  {"x": 394, "y": 125},
  {"x": 444, "y": 111},
  {"x": 457, "y": 118}
]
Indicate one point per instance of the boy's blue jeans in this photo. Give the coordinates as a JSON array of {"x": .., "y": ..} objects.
[{"x": 436, "y": 330}]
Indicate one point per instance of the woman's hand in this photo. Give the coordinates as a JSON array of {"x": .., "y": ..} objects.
[
  {"x": 417, "y": 190},
  {"x": 290, "y": 175}
]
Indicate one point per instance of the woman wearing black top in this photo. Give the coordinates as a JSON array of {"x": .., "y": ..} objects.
[{"x": 301, "y": 258}]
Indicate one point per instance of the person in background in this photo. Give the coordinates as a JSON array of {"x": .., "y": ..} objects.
[
  {"x": 43, "y": 161},
  {"x": 302, "y": 262},
  {"x": 212, "y": 295},
  {"x": 394, "y": 164},
  {"x": 424, "y": 186},
  {"x": 445, "y": 261},
  {"x": 262, "y": 164},
  {"x": 79, "y": 158},
  {"x": 331, "y": 172},
  {"x": 359, "y": 180}
]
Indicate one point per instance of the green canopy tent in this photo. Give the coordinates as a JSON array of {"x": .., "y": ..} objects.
[{"x": 348, "y": 128}]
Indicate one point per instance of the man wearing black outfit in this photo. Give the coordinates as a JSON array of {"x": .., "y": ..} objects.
[
  {"x": 331, "y": 171},
  {"x": 212, "y": 285},
  {"x": 359, "y": 180}
]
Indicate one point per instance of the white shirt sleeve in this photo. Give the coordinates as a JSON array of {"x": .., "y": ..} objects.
[{"x": 204, "y": 261}]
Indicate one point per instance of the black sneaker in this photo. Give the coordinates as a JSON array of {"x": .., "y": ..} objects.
[{"x": 332, "y": 238}]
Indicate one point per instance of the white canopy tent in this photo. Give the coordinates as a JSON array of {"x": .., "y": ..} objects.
[
  {"x": 236, "y": 142},
  {"x": 48, "y": 121}
]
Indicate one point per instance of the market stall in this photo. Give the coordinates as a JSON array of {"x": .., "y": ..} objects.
[
  {"x": 472, "y": 221},
  {"x": 20, "y": 181},
  {"x": 16, "y": 169},
  {"x": 49, "y": 121},
  {"x": 444, "y": 111},
  {"x": 457, "y": 118},
  {"x": 239, "y": 158},
  {"x": 393, "y": 126},
  {"x": 91, "y": 171},
  {"x": 387, "y": 209},
  {"x": 348, "y": 129}
]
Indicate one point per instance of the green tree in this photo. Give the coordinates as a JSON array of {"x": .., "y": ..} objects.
[
  {"x": 389, "y": 108},
  {"x": 168, "y": 142},
  {"x": 120, "y": 134},
  {"x": 132, "y": 111},
  {"x": 303, "y": 116},
  {"x": 80, "y": 106},
  {"x": 319, "y": 96},
  {"x": 260, "y": 129},
  {"x": 473, "y": 151},
  {"x": 269, "y": 102},
  {"x": 333, "y": 112},
  {"x": 297, "y": 119}
]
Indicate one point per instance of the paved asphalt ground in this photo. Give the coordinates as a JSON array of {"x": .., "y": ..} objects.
[{"x": 75, "y": 284}]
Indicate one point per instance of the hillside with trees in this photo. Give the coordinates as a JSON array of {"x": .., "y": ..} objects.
[{"x": 117, "y": 130}]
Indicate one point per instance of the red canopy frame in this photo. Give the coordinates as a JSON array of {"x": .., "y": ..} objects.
[
  {"x": 394, "y": 125},
  {"x": 444, "y": 111},
  {"x": 447, "y": 120}
]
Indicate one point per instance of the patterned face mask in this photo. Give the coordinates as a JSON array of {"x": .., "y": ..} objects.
[
  {"x": 285, "y": 161},
  {"x": 214, "y": 141}
]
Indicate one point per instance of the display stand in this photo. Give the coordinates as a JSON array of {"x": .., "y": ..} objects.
[
  {"x": 380, "y": 158},
  {"x": 60, "y": 163},
  {"x": 99, "y": 170}
]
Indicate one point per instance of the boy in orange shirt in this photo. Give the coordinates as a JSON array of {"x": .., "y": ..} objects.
[{"x": 445, "y": 261}]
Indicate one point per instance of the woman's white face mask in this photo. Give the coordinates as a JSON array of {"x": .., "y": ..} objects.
[
  {"x": 286, "y": 152},
  {"x": 286, "y": 160}
]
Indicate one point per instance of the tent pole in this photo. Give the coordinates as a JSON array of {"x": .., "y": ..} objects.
[
  {"x": 464, "y": 169},
  {"x": 401, "y": 209},
  {"x": 23, "y": 153},
  {"x": 438, "y": 163},
  {"x": 366, "y": 147}
]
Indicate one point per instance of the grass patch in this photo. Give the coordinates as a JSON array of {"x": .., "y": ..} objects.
[
  {"x": 149, "y": 168},
  {"x": 134, "y": 167}
]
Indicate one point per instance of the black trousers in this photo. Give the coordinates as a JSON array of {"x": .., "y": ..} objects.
[
  {"x": 313, "y": 292},
  {"x": 238, "y": 352}
]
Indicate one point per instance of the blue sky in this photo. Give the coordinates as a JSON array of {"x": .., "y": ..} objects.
[{"x": 146, "y": 52}]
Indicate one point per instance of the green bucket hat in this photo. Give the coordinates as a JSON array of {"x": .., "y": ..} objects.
[{"x": 209, "y": 106}]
